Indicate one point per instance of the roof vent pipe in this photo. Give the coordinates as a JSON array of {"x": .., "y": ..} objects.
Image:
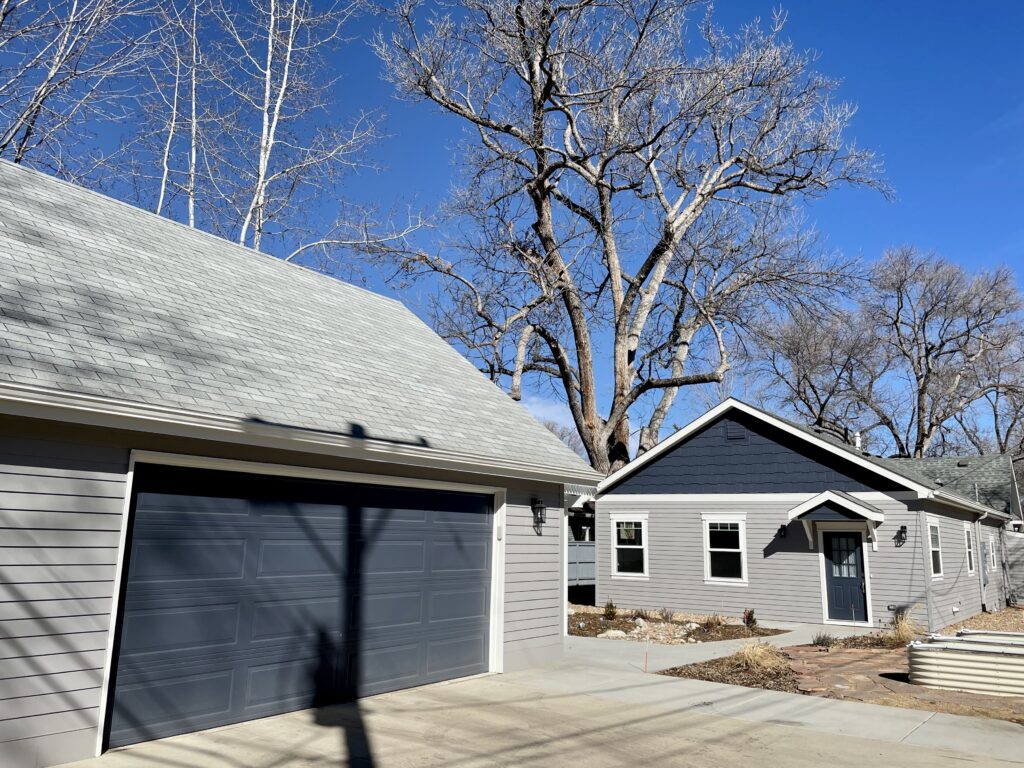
[{"x": 856, "y": 439}]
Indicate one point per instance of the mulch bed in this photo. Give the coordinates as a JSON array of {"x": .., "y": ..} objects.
[
  {"x": 593, "y": 624},
  {"x": 1006, "y": 620},
  {"x": 733, "y": 672}
]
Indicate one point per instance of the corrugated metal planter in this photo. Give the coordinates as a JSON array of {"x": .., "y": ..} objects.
[{"x": 976, "y": 662}]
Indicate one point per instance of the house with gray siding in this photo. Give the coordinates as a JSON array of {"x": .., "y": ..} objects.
[
  {"x": 742, "y": 509},
  {"x": 231, "y": 487}
]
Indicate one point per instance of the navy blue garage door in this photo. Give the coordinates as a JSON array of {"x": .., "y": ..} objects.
[{"x": 248, "y": 596}]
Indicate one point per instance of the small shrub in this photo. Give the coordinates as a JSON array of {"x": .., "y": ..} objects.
[
  {"x": 749, "y": 620},
  {"x": 666, "y": 615},
  {"x": 610, "y": 611},
  {"x": 642, "y": 613},
  {"x": 904, "y": 628},
  {"x": 712, "y": 622},
  {"x": 762, "y": 657},
  {"x": 824, "y": 640}
]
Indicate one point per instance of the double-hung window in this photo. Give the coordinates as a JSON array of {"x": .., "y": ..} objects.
[
  {"x": 993, "y": 556},
  {"x": 969, "y": 536},
  {"x": 629, "y": 545},
  {"x": 935, "y": 546},
  {"x": 725, "y": 555}
]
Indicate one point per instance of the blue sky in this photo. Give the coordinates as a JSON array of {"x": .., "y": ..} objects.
[{"x": 940, "y": 91}]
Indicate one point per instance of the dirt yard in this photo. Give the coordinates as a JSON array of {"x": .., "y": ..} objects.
[{"x": 866, "y": 668}]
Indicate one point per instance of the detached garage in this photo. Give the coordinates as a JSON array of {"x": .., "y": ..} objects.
[{"x": 231, "y": 487}]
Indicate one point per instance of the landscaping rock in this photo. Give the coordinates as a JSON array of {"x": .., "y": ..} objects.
[
  {"x": 613, "y": 633},
  {"x": 691, "y": 625},
  {"x": 639, "y": 622}
]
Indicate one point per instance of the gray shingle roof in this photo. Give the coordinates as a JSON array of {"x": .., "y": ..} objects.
[
  {"x": 104, "y": 299},
  {"x": 985, "y": 479}
]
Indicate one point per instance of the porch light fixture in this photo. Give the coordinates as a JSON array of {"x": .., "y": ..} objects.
[
  {"x": 540, "y": 512},
  {"x": 782, "y": 531},
  {"x": 901, "y": 536}
]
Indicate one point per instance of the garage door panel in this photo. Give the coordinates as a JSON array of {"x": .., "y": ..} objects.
[
  {"x": 392, "y": 610},
  {"x": 458, "y": 605},
  {"x": 158, "y": 559},
  {"x": 170, "y": 504},
  {"x": 287, "y": 682},
  {"x": 447, "y": 657},
  {"x": 295, "y": 617},
  {"x": 301, "y": 557},
  {"x": 299, "y": 511},
  {"x": 284, "y": 594},
  {"x": 460, "y": 555},
  {"x": 181, "y": 629},
  {"x": 387, "y": 557},
  {"x": 188, "y": 699}
]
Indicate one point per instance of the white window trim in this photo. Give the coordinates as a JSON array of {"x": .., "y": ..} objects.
[
  {"x": 724, "y": 517},
  {"x": 630, "y": 517},
  {"x": 942, "y": 565},
  {"x": 970, "y": 551},
  {"x": 993, "y": 555}
]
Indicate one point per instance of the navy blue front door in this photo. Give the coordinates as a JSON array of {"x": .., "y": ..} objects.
[{"x": 844, "y": 576}]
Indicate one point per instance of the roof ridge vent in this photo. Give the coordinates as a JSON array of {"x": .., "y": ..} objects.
[{"x": 963, "y": 463}]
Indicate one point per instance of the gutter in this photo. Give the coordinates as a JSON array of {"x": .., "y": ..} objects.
[
  {"x": 93, "y": 410},
  {"x": 965, "y": 504}
]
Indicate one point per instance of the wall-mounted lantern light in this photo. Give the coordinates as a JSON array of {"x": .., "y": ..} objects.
[
  {"x": 782, "y": 531},
  {"x": 901, "y": 536},
  {"x": 540, "y": 512}
]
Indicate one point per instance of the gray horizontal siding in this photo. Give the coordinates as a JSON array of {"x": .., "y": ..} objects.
[
  {"x": 784, "y": 576},
  {"x": 533, "y": 578},
  {"x": 60, "y": 520},
  {"x": 740, "y": 454},
  {"x": 956, "y": 594}
]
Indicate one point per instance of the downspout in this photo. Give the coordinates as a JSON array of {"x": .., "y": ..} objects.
[
  {"x": 926, "y": 570},
  {"x": 977, "y": 562}
]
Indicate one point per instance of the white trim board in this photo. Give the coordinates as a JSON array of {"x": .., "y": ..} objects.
[
  {"x": 783, "y": 498},
  {"x": 496, "y": 644}
]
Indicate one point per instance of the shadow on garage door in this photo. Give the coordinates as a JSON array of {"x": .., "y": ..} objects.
[{"x": 249, "y": 595}]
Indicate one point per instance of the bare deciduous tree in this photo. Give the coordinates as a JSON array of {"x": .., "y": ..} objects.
[
  {"x": 63, "y": 64},
  {"x": 810, "y": 361},
  {"x": 620, "y": 181},
  {"x": 928, "y": 344},
  {"x": 566, "y": 434},
  {"x": 995, "y": 424}
]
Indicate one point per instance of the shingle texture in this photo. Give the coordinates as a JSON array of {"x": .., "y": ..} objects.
[{"x": 104, "y": 299}]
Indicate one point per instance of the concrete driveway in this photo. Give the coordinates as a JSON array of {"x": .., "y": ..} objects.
[{"x": 595, "y": 708}]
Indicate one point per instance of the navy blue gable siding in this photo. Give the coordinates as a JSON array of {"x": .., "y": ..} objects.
[{"x": 741, "y": 454}]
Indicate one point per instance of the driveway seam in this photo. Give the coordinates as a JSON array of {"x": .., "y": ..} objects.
[{"x": 914, "y": 730}]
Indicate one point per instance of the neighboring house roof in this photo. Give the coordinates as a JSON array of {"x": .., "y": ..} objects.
[
  {"x": 107, "y": 308},
  {"x": 986, "y": 479},
  {"x": 912, "y": 474}
]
